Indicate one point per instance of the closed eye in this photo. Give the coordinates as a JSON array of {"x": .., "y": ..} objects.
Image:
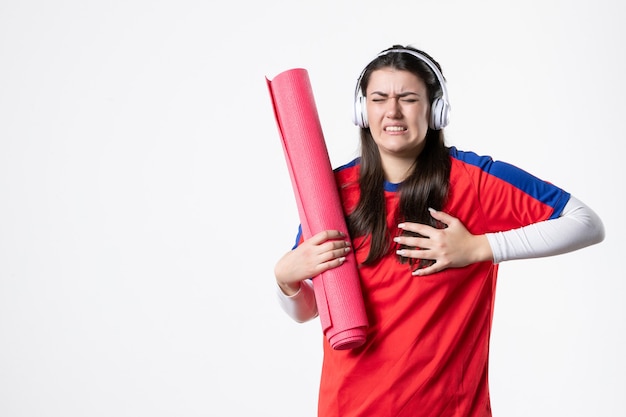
[{"x": 408, "y": 97}]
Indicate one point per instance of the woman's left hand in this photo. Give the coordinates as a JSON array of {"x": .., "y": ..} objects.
[{"x": 452, "y": 247}]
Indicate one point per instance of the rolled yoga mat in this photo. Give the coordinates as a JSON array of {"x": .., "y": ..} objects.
[{"x": 337, "y": 291}]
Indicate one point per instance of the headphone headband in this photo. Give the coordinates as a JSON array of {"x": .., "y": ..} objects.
[{"x": 440, "y": 107}]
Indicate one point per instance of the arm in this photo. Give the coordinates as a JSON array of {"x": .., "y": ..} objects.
[
  {"x": 300, "y": 306},
  {"x": 324, "y": 251},
  {"x": 577, "y": 227}
]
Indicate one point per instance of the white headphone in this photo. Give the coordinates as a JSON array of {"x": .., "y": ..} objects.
[{"x": 439, "y": 108}]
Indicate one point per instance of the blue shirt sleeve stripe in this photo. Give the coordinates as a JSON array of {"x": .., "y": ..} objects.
[{"x": 540, "y": 190}]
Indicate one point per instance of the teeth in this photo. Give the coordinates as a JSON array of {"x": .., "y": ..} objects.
[{"x": 395, "y": 128}]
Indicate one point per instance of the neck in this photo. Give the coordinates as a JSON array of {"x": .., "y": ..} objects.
[{"x": 397, "y": 169}]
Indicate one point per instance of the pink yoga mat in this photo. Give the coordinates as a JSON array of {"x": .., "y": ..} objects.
[{"x": 337, "y": 291}]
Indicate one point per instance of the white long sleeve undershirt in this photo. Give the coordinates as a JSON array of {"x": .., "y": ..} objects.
[
  {"x": 301, "y": 306},
  {"x": 577, "y": 227}
]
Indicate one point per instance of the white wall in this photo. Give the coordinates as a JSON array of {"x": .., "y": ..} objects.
[{"x": 144, "y": 197}]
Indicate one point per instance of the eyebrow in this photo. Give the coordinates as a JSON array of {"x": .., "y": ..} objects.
[{"x": 405, "y": 94}]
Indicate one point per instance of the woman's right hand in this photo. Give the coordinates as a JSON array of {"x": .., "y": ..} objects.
[{"x": 319, "y": 253}]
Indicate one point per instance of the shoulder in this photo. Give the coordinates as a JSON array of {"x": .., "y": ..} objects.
[
  {"x": 349, "y": 172},
  {"x": 485, "y": 164},
  {"x": 470, "y": 158},
  {"x": 490, "y": 176},
  {"x": 349, "y": 166}
]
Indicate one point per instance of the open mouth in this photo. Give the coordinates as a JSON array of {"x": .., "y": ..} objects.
[{"x": 395, "y": 129}]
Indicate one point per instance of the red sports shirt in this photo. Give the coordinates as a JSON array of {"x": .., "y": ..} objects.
[{"x": 427, "y": 346}]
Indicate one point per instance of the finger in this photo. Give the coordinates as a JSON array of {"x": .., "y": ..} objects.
[
  {"x": 335, "y": 253},
  {"x": 422, "y": 229},
  {"x": 325, "y": 235},
  {"x": 436, "y": 267},
  {"x": 333, "y": 245},
  {"x": 333, "y": 263},
  {"x": 337, "y": 244},
  {"x": 443, "y": 217},
  {"x": 414, "y": 253},
  {"x": 416, "y": 242}
]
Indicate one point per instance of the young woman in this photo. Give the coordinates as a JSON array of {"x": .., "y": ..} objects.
[{"x": 429, "y": 225}]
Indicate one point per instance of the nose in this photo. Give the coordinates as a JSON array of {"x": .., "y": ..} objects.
[{"x": 393, "y": 108}]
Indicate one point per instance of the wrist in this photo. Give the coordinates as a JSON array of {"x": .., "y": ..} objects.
[
  {"x": 289, "y": 289},
  {"x": 483, "y": 250}
]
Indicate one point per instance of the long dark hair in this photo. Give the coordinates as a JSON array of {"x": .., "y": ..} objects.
[{"x": 427, "y": 185}]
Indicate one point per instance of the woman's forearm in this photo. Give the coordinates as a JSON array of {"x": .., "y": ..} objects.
[{"x": 577, "y": 227}]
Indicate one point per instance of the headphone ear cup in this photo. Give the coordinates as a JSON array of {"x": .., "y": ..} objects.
[
  {"x": 360, "y": 112},
  {"x": 439, "y": 114}
]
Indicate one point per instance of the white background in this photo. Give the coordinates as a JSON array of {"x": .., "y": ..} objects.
[{"x": 144, "y": 196}]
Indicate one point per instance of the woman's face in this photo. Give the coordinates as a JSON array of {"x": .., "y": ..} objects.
[{"x": 397, "y": 111}]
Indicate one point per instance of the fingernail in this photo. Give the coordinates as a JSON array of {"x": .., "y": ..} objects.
[
  {"x": 401, "y": 225},
  {"x": 400, "y": 252},
  {"x": 432, "y": 210},
  {"x": 416, "y": 273},
  {"x": 396, "y": 239}
]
